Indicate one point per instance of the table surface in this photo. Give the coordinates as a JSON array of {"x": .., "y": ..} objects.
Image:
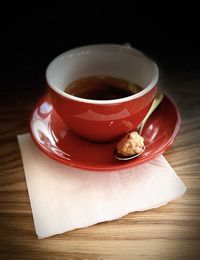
[{"x": 169, "y": 232}]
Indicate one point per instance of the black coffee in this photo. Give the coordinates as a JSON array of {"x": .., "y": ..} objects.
[{"x": 102, "y": 88}]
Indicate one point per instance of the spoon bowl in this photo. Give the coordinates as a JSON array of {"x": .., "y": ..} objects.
[{"x": 126, "y": 158}]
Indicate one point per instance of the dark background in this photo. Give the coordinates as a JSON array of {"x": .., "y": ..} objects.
[{"x": 32, "y": 39}]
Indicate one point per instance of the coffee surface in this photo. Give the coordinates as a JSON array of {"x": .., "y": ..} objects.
[{"x": 102, "y": 88}]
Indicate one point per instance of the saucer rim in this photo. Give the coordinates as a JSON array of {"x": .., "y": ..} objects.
[{"x": 120, "y": 166}]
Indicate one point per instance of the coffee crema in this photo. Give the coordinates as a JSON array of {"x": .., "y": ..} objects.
[{"x": 102, "y": 88}]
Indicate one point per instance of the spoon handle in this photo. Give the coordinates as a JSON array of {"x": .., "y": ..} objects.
[{"x": 158, "y": 98}]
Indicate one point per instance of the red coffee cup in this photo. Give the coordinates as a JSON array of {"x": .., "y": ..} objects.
[{"x": 102, "y": 120}]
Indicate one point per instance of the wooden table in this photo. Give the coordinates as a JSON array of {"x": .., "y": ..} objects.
[{"x": 169, "y": 232}]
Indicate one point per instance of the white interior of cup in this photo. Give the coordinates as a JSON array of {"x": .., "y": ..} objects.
[{"x": 104, "y": 59}]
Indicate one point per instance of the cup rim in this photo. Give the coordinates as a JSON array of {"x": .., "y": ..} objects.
[{"x": 102, "y": 102}]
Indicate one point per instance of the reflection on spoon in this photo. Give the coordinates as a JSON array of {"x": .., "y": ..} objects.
[{"x": 157, "y": 100}]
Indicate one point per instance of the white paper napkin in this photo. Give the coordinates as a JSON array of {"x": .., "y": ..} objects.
[{"x": 65, "y": 198}]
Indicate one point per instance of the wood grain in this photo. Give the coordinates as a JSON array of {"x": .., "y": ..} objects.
[{"x": 169, "y": 232}]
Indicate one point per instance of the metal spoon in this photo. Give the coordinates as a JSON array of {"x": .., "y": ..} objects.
[{"x": 157, "y": 100}]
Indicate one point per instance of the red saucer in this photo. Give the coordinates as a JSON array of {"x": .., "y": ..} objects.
[{"x": 59, "y": 143}]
